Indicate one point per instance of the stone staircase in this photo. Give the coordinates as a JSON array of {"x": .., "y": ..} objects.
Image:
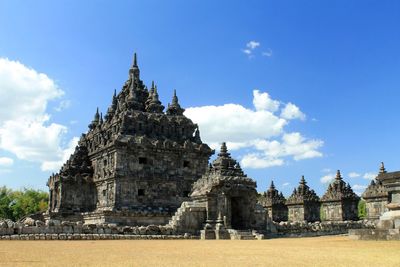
[
  {"x": 189, "y": 217},
  {"x": 245, "y": 235}
]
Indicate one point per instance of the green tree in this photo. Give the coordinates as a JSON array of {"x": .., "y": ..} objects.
[
  {"x": 362, "y": 210},
  {"x": 5, "y": 202},
  {"x": 16, "y": 204}
]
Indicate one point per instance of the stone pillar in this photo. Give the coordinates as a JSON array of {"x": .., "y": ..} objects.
[{"x": 228, "y": 213}]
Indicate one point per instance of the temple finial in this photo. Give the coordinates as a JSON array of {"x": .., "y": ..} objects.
[
  {"x": 303, "y": 181},
  {"x": 134, "y": 60},
  {"x": 224, "y": 149},
  {"x": 97, "y": 115},
  {"x": 382, "y": 168},
  {"x": 338, "y": 175},
  {"x": 175, "y": 108},
  {"x": 175, "y": 100},
  {"x": 272, "y": 186}
]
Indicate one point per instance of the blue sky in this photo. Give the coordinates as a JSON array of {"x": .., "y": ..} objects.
[{"x": 337, "y": 62}]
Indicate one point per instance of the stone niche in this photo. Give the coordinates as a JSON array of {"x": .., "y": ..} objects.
[
  {"x": 376, "y": 197},
  {"x": 275, "y": 203},
  {"x": 339, "y": 203},
  {"x": 229, "y": 201},
  {"x": 303, "y": 204}
]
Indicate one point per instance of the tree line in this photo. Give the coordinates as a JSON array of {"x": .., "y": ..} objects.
[{"x": 15, "y": 204}]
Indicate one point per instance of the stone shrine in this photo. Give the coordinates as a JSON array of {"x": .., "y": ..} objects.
[
  {"x": 135, "y": 166},
  {"x": 303, "y": 204},
  {"x": 376, "y": 197},
  {"x": 275, "y": 203},
  {"x": 339, "y": 203},
  {"x": 388, "y": 226},
  {"x": 224, "y": 201}
]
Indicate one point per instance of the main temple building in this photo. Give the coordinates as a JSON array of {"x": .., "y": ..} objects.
[{"x": 135, "y": 165}]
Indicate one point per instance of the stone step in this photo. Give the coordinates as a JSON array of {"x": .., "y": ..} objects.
[{"x": 241, "y": 234}]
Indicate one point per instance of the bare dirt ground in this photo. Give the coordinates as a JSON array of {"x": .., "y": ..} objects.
[{"x": 316, "y": 251}]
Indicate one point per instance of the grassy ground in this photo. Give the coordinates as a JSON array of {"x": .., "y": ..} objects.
[{"x": 316, "y": 251}]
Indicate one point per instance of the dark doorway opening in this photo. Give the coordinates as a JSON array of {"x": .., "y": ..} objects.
[{"x": 237, "y": 218}]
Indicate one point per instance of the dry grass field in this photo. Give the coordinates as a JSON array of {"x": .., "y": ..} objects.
[{"x": 316, "y": 251}]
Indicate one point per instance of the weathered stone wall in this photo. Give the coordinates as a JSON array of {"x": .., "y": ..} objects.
[
  {"x": 304, "y": 212},
  {"x": 303, "y": 229},
  {"x": 156, "y": 175},
  {"x": 56, "y": 230},
  {"x": 278, "y": 213},
  {"x": 375, "y": 207},
  {"x": 374, "y": 234},
  {"x": 332, "y": 211}
]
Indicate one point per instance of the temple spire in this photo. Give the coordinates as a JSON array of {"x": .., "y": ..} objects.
[
  {"x": 134, "y": 70},
  {"x": 303, "y": 181},
  {"x": 134, "y": 60},
  {"x": 97, "y": 115},
  {"x": 175, "y": 108},
  {"x": 153, "y": 104},
  {"x": 95, "y": 120},
  {"x": 338, "y": 175},
  {"x": 382, "y": 168},
  {"x": 196, "y": 137},
  {"x": 272, "y": 186}
]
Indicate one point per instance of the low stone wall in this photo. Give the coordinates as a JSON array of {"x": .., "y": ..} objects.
[
  {"x": 304, "y": 229},
  {"x": 30, "y": 229},
  {"x": 93, "y": 237},
  {"x": 54, "y": 229}
]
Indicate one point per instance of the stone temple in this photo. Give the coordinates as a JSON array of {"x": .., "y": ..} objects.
[
  {"x": 339, "y": 203},
  {"x": 142, "y": 164},
  {"x": 135, "y": 166}
]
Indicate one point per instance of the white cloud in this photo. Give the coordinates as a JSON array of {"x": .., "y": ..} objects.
[
  {"x": 63, "y": 156},
  {"x": 235, "y": 123},
  {"x": 6, "y": 162},
  {"x": 326, "y": 170},
  {"x": 359, "y": 189},
  {"x": 64, "y": 104},
  {"x": 291, "y": 112},
  {"x": 327, "y": 179},
  {"x": 260, "y": 161},
  {"x": 247, "y": 51},
  {"x": 267, "y": 53},
  {"x": 250, "y": 46},
  {"x": 370, "y": 175},
  {"x": 24, "y": 92},
  {"x": 253, "y": 45},
  {"x": 263, "y": 101},
  {"x": 285, "y": 184},
  {"x": 25, "y": 128},
  {"x": 354, "y": 175},
  {"x": 259, "y": 131}
]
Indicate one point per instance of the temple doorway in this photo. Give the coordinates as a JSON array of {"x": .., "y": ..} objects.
[{"x": 237, "y": 212}]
